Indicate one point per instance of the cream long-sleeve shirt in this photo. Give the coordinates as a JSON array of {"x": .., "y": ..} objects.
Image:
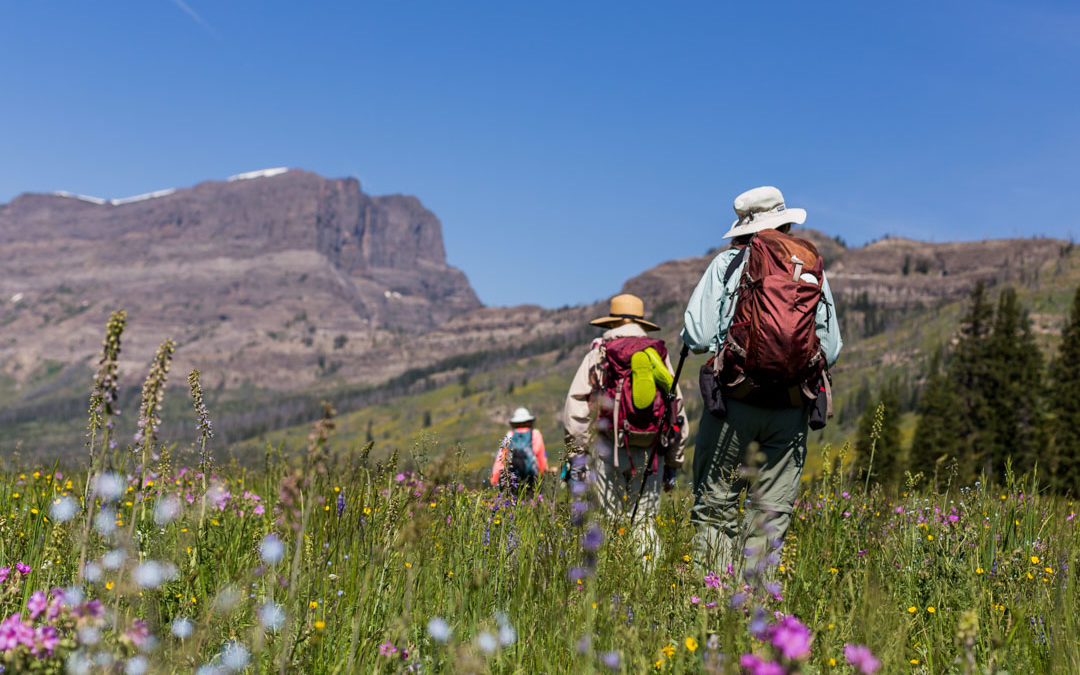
[{"x": 580, "y": 406}]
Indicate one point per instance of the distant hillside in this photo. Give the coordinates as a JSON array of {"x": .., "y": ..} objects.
[{"x": 287, "y": 288}]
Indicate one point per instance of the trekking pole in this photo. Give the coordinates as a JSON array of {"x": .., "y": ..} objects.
[{"x": 665, "y": 424}]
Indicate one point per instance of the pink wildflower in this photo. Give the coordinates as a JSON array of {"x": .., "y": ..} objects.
[
  {"x": 387, "y": 648},
  {"x": 791, "y": 637},
  {"x": 712, "y": 580},
  {"x": 13, "y": 632},
  {"x": 22, "y": 568},
  {"x": 36, "y": 604},
  {"x": 694, "y": 599},
  {"x": 139, "y": 632},
  {"x": 862, "y": 658},
  {"x": 5, "y": 572},
  {"x": 45, "y": 640},
  {"x": 259, "y": 509},
  {"x": 755, "y": 666}
]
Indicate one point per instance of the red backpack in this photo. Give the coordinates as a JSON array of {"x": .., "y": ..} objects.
[
  {"x": 772, "y": 348},
  {"x": 617, "y": 414}
]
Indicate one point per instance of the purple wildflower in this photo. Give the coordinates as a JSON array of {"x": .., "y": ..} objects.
[
  {"x": 611, "y": 660},
  {"x": 862, "y": 658},
  {"x": 5, "y": 572},
  {"x": 36, "y": 604},
  {"x": 45, "y": 640},
  {"x": 22, "y": 568},
  {"x": 712, "y": 580},
  {"x": 387, "y": 649},
  {"x": 13, "y": 632},
  {"x": 755, "y": 666},
  {"x": 791, "y": 637},
  {"x": 592, "y": 539},
  {"x": 139, "y": 632},
  {"x": 694, "y": 599},
  {"x": 340, "y": 504}
]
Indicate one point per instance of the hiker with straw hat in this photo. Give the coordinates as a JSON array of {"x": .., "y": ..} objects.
[
  {"x": 521, "y": 458},
  {"x": 764, "y": 308},
  {"x": 621, "y": 384}
]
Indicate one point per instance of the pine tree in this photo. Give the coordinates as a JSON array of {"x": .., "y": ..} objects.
[
  {"x": 1065, "y": 403},
  {"x": 936, "y": 434},
  {"x": 969, "y": 370},
  {"x": 1014, "y": 367}
]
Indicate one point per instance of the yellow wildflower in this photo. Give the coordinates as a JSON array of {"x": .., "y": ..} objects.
[
  {"x": 978, "y": 570},
  {"x": 669, "y": 650},
  {"x": 912, "y": 609},
  {"x": 1034, "y": 560},
  {"x": 691, "y": 644},
  {"x": 313, "y": 604},
  {"x": 931, "y": 609},
  {"x": 319, "y": 625}
]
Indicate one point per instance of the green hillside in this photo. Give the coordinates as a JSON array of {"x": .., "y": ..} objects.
[{"x": 471, "y": 415}]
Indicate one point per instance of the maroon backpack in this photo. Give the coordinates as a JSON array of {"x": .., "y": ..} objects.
[
  {"x": 617, "y": 415},
  {"x": 772, "y": 347}
]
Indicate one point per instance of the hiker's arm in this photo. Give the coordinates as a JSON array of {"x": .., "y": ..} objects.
[
  {"x": 827, "y": 324},
  {"x": 540, "y": 451},
  {"x": 576, "y": 414},
  {"x": 498, "y": 466},
  {"x": 701, "y": 321}
]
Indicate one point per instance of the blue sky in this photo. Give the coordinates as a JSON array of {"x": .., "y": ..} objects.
[{"x": 566, "y": 146}]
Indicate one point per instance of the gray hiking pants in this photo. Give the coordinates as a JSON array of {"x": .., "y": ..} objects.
[
  {"x": 616, "y": 492},
  {"x": 762, "y": 451}
]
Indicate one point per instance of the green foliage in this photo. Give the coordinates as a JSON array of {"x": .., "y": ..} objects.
[
  {"x": 879, "y": 430},
  {"x": 1064, "y": 397}
]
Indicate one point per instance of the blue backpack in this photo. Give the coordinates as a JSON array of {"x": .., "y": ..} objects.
[{"x": 522, "y": 458}]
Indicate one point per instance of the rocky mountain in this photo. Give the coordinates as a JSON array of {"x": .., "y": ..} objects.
[
  {"x": 284, "y": 288},
  {"x": 260, "y": 278}
]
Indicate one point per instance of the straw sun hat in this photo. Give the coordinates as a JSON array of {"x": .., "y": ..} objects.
[
  {"x": 625, "y": 306},
  {"x": 762, "y": 209}
]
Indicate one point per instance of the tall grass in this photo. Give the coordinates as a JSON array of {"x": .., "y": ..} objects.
[
  {"x": 374, "y": 555},
  {"x": 324, "y": 562}
]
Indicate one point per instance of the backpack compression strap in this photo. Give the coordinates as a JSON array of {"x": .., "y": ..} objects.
[{"x": 734, "y": 264}]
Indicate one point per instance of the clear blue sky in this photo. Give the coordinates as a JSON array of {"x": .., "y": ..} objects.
[{"x": 566, "y": 146}]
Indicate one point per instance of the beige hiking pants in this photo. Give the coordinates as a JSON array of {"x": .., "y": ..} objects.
[{"x": 616, "y": 492}]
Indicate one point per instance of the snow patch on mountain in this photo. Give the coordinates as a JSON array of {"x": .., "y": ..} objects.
[{"x": 261, "y": 173}]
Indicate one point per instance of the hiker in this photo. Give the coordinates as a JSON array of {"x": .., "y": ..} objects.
[
  {"x": 622, "y": 381},
  {"x": 768, "y": 379},
  {"x": 521, "y": 458}
]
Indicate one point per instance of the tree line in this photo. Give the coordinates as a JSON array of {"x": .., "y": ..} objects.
[{"x": 990, "y": 403}]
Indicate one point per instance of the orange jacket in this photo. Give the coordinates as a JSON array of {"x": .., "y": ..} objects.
[{"x": 538, "y": 450}]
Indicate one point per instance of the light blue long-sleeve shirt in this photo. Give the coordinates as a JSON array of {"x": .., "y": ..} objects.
[{"x": 708, "y": 314}]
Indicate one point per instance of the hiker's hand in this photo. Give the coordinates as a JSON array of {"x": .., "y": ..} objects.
[{"x": 669, "y": 478}]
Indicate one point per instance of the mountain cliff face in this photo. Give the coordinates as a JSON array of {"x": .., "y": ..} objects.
[{"x": 259, "y": 279}]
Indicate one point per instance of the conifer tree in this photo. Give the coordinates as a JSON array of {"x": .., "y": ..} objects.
[
  {"x": 1065, "y": 403},
  {"x": 969, "y": 371},
  {"x": 936, "y": 434},
  {"x": 1014, "y": 367}
]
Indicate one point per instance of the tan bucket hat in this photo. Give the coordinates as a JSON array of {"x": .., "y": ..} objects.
[
  {"x": 625, "y": 306},
  {"x": 762, "y": 209}
]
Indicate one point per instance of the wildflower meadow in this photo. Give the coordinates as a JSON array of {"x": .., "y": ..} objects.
[{"x": 318, "y": 559}]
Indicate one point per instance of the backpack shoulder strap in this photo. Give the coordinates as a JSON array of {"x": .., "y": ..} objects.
[{"x": 734, "y": 264}]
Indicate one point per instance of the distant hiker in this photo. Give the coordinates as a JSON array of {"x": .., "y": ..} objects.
[
  {"x": 622, "y": 380},
  {"x": 764, "y": 308},
  {"x": 521, "y": 458}
]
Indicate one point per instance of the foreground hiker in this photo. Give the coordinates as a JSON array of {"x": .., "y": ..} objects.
[
  {"x": 521, "y": 457},
  {"x": 622, "y": 381},
  {"x": 764, "y": 308}
]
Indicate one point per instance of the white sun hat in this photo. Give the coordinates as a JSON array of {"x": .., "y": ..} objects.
[
  {"x": 521, "y": 416},
  {"x": 762, "y": 209}
]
